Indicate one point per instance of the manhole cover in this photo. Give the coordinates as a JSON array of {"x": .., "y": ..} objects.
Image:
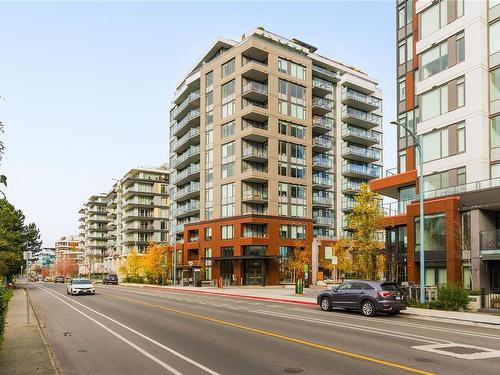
[
  {"x": 293, "y": 370},
  {"x": 463, "y": 350}
]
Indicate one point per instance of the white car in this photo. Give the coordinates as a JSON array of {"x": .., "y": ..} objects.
[{"x": 80, "y": 286}]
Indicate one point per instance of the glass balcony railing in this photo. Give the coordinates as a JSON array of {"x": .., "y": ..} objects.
[
  {"x": 191, "y": 97},
  {"x": 326, "y": 72},
  {"x": 369, "y": 153},
  {"x": 352, "y": 185},
  {"x": 352, "y": 94},
  {"x": 490, "y": 242},
  {"x": 324, "y": 122},
  {"x": 318, "y": 199},
  {"x": 195, "y": 132},
  {"x": 358, "y": 133},
  {"x": 191, "y": 206},
  {"x": 190, "y": 116},
  {"x": 254, "y": 194},
  {"x": 323, "y": 141},
  {"x": 255, "y": 151},
  {"x": 322, "y": 162},
  {"x": 348, "y": 203},
  {"x": 395, "y": 208},
  {"x": 323, "y": 84},
  {"x": 253, "y": 124},
  {"x": 463, "y": 188},
  {"x": 323, "y": 220},
  {"x": 192, "y": 151},
  {"x": 323, "y": 103},
  {"x": 366, "y": 170},
  {"x": 188, "y": 189},
  {"x": 193, "y": 169},
  {"x": 320, "y": 180},
  {"x": 255, "y": 86},
  {"x": 361, "y": 115}
]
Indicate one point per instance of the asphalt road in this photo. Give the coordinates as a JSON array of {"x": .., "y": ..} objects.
[{"x": 123, "y": 330}]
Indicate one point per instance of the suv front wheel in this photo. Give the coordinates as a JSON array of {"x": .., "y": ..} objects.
[
  {"x": 368, "y": 308},
  {"x": 326, "y": 304}
]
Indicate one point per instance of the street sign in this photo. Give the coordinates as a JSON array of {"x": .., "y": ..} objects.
[
  {"x": 27, "y": 255},
  {"x": 334, "y": 260},
  {"x": 190, "y": 263}
]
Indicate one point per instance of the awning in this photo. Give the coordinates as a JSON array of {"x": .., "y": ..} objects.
[{"x": 243, "y": 257}]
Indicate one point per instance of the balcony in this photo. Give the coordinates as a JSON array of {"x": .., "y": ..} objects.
[
  {"x": 322, "y": 124},
  {"x": 254, "y": 172},
  {"x": 188, "y": 209},
  {"x": 255, "y": 91},
  {"x": 139, "y": 227},
  {"x": 189, "y": 174},
  {"x": 360, "y": 118},
  {"x": 183, "y": 126},
  {"x": 190, "y": 138},
  {"x": 254, "y": 154},
  {"x": 322, "y": 201},
  {"x": 192, "y": 100},
  {"x": 321, "y": 106},
  {"x": 319, "y": 71},
  {"x": 189, "y": 191},
  {"x": 321, "y": 182},
  {"x": 364, "y": 137},
  {"x": 254, "y": 64},
  {"x": 254, "y": 131},
  {"x": 323, "y": 221},
  {"x": 254, "y": 111},
  {"x": 361, "y": 171},
  {"x": 322, "y": 143},
  {"x": 395, "y": 208},
  {"x": 350, "y": 186},
  {"x": 490, "y": 244},
  {"x": 322, "y": 163},
  {"x": 347, "y": 204},
  {"x": 360, "y": 154},
  {"x": 359, "y": 100},
  {"x": 321, "y": 87},
  {"x": 190, "y": 156},
  {"x": 254, "y": 196}
]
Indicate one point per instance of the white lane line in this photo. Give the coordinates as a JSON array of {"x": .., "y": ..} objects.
[
  {"x": 408, "y": 324},
  {"x": 170, "y": 350},
  {"x": 400, "y": 335},
  {"x": 139, "y": 349}
]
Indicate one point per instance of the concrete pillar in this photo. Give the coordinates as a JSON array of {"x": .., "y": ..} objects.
[{"x": 315, "y": 260}]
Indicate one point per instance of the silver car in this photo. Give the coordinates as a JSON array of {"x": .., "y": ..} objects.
[{"x": 80, "y": 286}]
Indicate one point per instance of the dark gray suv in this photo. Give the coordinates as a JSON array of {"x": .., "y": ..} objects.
[{"x": 367, "y": 296}]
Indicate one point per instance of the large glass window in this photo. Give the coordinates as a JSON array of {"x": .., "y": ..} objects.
[
  {"x": 228, "y": 198},
  {"x": 228, "y": 68},
  {"x": 495, "y": 84},
  {"x": 434, "y": 232},
  {"x": 227, "y": 232},
  {"x": 294, "y": 69},
  {"x": 402, "y": 89},
  {"x": 227, "y": 130},
  {"x": 495, "y": 132},
  {"x": 495, "y": 38},
  {"x": 292, "y": 231},
  {"x": 434, "y": 60},
  {"x": 435, "y": 102},
  {"x": 436, "y": 17},
  {"x": 228, "y": 99},
  {"x": 209, "y": 203},
  {"x": 209, "y": 81},
  {"x": 292, "y": 99}
]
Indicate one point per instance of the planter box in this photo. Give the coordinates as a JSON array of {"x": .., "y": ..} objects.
[{"x": 474, "y": 303}]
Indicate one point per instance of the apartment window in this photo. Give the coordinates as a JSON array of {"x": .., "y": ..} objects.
[
  {"x": 228, "y": 197},
  {"x": 255, "y": 230},
  {"x": 228, "y": 99},
  {"x": 209, "y": 158},
  {"x": 434, "y": 60},
  {"x": 209, "y": 176},
  {"x": 228, "y": 129},
  {"x": 402, "y": 52},
  {"x": 292, "y": 231},
  {"x": 227, "y": 232},
  {"x": 292, "y": 160},
  {"x": 442, "y": 180},
  {"x": 461, "y": 137},
  {"x": 227, "y": 170},
  {"x": 402, "y": 89},
  {"x": 495, "y": 132},
  {"x": 293, "y": 130},
  {"x": 291, "y": 99},
  {"x": 402, "y": 161},
  {"x": 209, "y": 120},
  {"x": 409, "y": 48},
  {"x": 228, "y": 152},
  {"x": 209, "y": 101},
  {"x": 436, "y": 17},
  {"x": 434, "y": 232},
  {"x": 209, "y": 81},
  {"x": 208, "y": 264},
  {"x": 438, "y": 144},
  {"x": 209, "y": 139},
  {"x": 209, "y": 203},
  {"x": 291, "y": 68},
  {"x": 291, "y": 200},
  {"x": 495, "y": 84},
  {"x": 495, "y": 38},
  {"x": 460, "y": 47},
  {"x": 401, "y": 16},
  {"x": 208, "y": 234},
  {"x": 495, "y": 170},
  {"x": 228, "y": 68},
  {"x": 435, "y": 101}
]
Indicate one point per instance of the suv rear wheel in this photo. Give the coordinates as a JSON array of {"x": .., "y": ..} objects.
[
  {"x": 326, "y": 304},
  {"x": 368, "y": 308}
]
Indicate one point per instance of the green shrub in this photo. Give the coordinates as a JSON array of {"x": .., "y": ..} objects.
[
  {"x": 5, "y": 295},
  {"x": 451, "y": 297},
  {"x": 475, "y": 292}
]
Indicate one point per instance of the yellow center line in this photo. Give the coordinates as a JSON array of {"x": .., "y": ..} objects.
[{"x": 278, "y": 336}]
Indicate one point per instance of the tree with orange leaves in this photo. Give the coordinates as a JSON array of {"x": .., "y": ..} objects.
[{"x": 156, "y": 263}]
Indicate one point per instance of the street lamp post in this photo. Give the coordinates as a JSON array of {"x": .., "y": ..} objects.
[{"x": 419, "y": 145}]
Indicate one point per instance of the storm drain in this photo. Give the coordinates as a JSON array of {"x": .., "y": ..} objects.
[{"x": 460, "y": 351}]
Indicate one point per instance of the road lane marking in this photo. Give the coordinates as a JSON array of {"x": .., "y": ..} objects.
[
  {"x": 378, "y": 331},
  {"x": 279, "y": 336},
  {"x": 136, "y": 347},
  {"x": 170, "y": 350}
]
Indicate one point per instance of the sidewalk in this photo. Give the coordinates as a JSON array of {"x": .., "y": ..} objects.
[
  {"x": 287, "y": 295},
  {"x": 24, "y": 350}
]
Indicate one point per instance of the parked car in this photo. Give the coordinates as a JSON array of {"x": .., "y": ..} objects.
[
  {"x": 80, "y": 286},
  {"x": 370, "y": 297},
  {"x": 59, "y": 279},
  {"x": 110, "y": 279}
]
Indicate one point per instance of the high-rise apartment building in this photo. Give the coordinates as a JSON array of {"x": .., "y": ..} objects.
[
  {"x": 268, "y": 143},
  {"x": 93, "y": 225},
  {"x": 448, "y": 74},
  {"x": 137, "y": 209}
]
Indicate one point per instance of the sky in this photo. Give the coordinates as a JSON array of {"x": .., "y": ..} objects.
[{"x": 86, "y": 87}]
